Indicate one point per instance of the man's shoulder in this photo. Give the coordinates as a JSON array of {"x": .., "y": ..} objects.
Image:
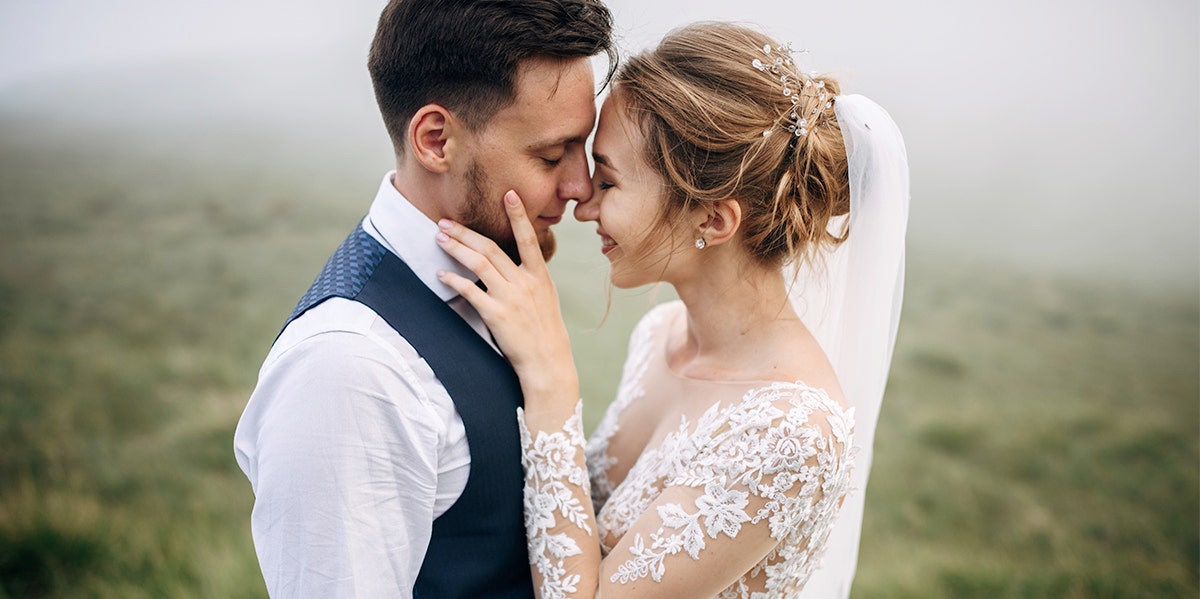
[
  {"x": 335, "y": 314},
  {"x": 343, "y": 344},
  {"x": 335, "y": 330}
]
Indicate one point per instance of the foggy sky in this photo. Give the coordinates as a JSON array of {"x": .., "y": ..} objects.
[{"x": 1064, "y": 134}]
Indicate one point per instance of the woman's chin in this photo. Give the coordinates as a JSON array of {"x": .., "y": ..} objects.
[{"x": 622, "y": 280}]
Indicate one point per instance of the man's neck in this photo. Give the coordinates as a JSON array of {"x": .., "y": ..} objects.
[{"x": 424, "y": 190}]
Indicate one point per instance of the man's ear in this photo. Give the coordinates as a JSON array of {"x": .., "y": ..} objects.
[
  {"x": 432, "y": 136},
  {"x": 719, "y": 221}
]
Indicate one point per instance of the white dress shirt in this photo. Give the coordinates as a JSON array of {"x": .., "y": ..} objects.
[{"x": 351, "y": 444}]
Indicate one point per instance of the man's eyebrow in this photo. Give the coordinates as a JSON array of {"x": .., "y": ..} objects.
[{"x": 541, "y": 145}]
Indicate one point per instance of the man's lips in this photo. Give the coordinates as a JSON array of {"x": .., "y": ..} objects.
[{"x": 553, "y": 220}]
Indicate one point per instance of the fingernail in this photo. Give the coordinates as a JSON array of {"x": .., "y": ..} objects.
[
  {"x": 443, "y": 237},
  {"x": 441, "y": 274},
  {"x": 511, "y": 198},
  {"x": 445, "y": 224}
]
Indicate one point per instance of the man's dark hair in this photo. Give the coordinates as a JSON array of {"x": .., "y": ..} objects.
[{"x": 465, "y": 54}]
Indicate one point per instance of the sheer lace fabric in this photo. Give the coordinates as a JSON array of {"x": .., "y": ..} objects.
[
  {"x": 749, "y": 473},
  {"x": 554, "y": 480}
]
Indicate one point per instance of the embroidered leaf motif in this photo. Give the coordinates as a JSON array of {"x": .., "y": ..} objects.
[
  {"x": 550, "y": 473},
  {"x": 770, "y": 446}
]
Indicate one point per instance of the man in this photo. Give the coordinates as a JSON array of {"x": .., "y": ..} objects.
[{"x": 381, "y": 440}]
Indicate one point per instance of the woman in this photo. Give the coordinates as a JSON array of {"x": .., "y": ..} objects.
[{"x": 721, "y": 466}]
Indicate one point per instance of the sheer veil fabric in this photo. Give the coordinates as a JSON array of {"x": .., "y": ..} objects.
[
  {"x": 850, "y": 299},
  {"x": 703, "y": 480}
]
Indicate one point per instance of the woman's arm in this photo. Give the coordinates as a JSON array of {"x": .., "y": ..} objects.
[
  {"x": 731, "y": 508},
  {"x": 522, "y": 312}
]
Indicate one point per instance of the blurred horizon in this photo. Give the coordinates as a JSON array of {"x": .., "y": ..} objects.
[
  {"x": 172, "y": 176},
  {"x": 1062, "y": 138}
]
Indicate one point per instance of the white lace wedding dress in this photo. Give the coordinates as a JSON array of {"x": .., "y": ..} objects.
[{"x": 688, "y": 477}]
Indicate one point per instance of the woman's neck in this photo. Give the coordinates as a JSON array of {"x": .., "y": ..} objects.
[{"x": 738, "y": 312}]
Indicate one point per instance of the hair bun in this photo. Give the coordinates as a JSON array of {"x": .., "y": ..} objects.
[{"x": 722, "y": 120}]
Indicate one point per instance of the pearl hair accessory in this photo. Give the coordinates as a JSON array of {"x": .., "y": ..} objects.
[{"x": 783, "y": 67}]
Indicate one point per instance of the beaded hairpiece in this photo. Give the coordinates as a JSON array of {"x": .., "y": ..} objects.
[{"x": 783, "y": 67}]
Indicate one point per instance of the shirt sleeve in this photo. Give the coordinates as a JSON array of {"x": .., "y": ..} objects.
[{"x": 341, "y": 451}]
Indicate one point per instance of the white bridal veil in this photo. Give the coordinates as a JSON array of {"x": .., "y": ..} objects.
[{"x": 851, "y": 300}]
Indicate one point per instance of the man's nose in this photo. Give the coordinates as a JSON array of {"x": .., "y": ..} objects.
[
  {"x": 588, "y": 209},
  {"x": 577, "y": 184}
]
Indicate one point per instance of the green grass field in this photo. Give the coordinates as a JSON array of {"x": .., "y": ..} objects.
[{"x": 1039, "y": 437}]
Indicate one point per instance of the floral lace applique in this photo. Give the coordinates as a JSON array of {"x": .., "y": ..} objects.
[
  {"x": 781, "y": 455},
  {"x": 775, "y": 459},
  {"x": 551, "y": 471}
]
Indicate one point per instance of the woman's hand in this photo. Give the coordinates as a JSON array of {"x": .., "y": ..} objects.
[{"x": 520, "y": 306}]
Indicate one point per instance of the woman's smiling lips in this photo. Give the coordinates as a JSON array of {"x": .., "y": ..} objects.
[{"x": 606, "y": 243}]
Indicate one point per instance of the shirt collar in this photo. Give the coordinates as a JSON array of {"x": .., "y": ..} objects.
[{"x": 408, "y": 233}]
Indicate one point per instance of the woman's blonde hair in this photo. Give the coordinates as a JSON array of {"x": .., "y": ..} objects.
[{"x": 716, "y": 128}]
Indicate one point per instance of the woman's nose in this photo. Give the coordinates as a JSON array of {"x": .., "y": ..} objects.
[{"x": 587, "y": 209}]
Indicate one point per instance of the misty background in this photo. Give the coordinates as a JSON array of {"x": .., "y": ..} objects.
[
  {"x": 1061, "y": 135},
  {"x": 173, "y": 174}
]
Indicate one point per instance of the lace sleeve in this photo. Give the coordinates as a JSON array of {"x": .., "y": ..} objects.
[
  {"x": 558, "y": 510},
  {"x": 749, "y": 514}
]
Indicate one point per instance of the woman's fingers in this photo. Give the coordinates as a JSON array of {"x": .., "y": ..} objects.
[
  {"x": 520, "y": 306},
  {"x": 527, "y": 240},
  {"x": 466, "y": 288},
  {"x": 484, "y": 259},
  {"x": 483, "y": 256}
]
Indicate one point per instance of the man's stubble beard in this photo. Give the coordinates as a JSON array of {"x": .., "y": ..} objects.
[{"x": 487, "y": 217}]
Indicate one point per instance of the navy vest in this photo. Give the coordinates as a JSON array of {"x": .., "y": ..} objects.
[{"x": 478, "y": 548}]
